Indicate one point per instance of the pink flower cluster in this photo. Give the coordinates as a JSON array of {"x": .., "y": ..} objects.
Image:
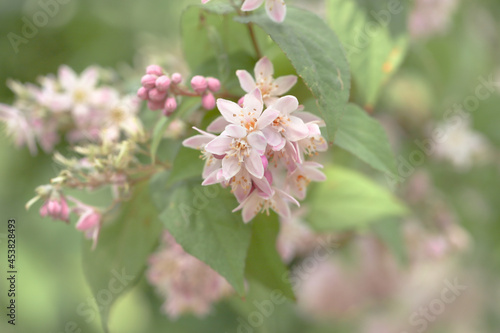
[
  {"x": 260, "y": 152},
  {"x": 160, "y": 90},
  {"x": 77, "y": 106},
  {"x": 276, "y": 9},
  {"x": 189, "y": 285}
]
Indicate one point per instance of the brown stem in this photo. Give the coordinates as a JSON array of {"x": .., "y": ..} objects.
[{"x": 254, "y": 40}]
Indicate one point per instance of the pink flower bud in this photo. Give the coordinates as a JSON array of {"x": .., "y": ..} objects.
[
  {"x": 148, "y": 81},
  {"x": 154, "y": 70},
  {"x": 43, "y": 211},
  {"x": 265, "y": 162},
  {"x": 88, "y": 221},
  {"x": 241, "y": 100},
  {"x": 176, "y": 78},
  {"x": 213, "y": 84},
  {"x": 208, "y": 101},
  {"x": 142, "y": 93},
  {"x": 163, "y": 83},
  {"x": 199, "y": 84},
  {"x": 64, "y": 214},
  {"x": 53, "y": 208},
  {"x": 170, "y": 106},
  {"x": 157, "y": 96},
  {"x": 155, "y": 105}
]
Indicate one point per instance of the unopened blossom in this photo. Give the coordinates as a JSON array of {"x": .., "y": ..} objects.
[
  {"x": 431, "y": 17},
  {"x": 90, "y": 223},
  {"x": 56, "y": 207},
  {"x": 188, "y": 284},
  {"x": 270, "y": 87}
]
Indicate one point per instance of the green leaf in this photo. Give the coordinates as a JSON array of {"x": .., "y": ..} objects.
[
  {"x": 364, "y": 137},
  {"x": 318, "y": 57},
  {"x": 187, "y": 164},
  {"x": 375, "y": 38},
  {"x": 348, "y": 200},
  {"x": 201, "y": 221},
  {"x": 120, "y": 257},
  {"x": 263, "y": 263}
]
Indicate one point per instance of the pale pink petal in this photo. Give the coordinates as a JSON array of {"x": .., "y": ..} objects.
[
  {"x": 67, "y": 77},
  {"x": 266, "y": 118},
  {"x": 249, "y": 5},
  {"x": 296, "y": 129},
  {"x": 235, "y": 131},
  {"x": 253, "y": 102},
  {"x": 213, "y": 178},
  {"x": 263, "y": 185},
  {"x": 229, "y": 110},
  {"x": 264, "y": 70},
  {"x": 281, "y": 206},
  {"x": 308, "y": 117},
  {"x": 230, "y": 167},
  {"x": 211, "y": 165},
  {"x": 196, "y": 142},
  {"x": 218, "y": 125},
  {"x": 283, "y": 84},
  {"x": 273, "y": 137},
  {"x": 276, "y": 9},
  {"x": 219, "y": 145},
  {"x": 251, "y": 206},
  {"x": 242, "y": 192},
  {"x": 89, "y": 77},
  {"x": 247, "y": 82},
  {"x": 253, "y": 164},
  {"x": 288, "y": 197},
  {"x": 286, "y": 104},
  {"x": 258, "y": 141}
]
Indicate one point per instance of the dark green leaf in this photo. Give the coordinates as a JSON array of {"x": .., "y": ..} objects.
[
  {"x": 364, "y": 137},
  {"x": 263, "y": 263}
]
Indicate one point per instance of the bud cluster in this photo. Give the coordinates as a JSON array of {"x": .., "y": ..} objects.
[{"x": 161, "y": 90}]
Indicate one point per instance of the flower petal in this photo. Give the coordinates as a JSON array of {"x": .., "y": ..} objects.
[
  {"x": 264, "y": 70},
  {"x": 258, "y": 141},
  {"x": 286, "y": 104},
  {"x": 235, "y": 131},
  {"x": 273, "y": 137},
  {"x": 296, "y": 129},
  {"x": 230, "y": 167},
  {"x": 249, "y": 5},
  {"x": 229, "y": 110},
  {"x": 266, "y": 118},
  {"x": 283, "y": 84},
  {"x": 218, "y": 125},
  {"x": 263, "y": 185},
  {"x": 247, "y": 82},
  {"x": 253, "y": 164},
  {"x": 219, "y": 145},
  {"x": 196, "y": 142},
  {"x": 276, "y": 9},
  {"x": 252, "y": 102}
]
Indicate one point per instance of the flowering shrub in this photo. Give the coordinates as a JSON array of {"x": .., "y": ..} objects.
[{"x": 232, "y": 164}]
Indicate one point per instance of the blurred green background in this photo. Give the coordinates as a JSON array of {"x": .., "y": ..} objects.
[{"x": 436, "y": 73}]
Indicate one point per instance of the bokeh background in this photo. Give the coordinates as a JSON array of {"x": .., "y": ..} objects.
[{"x": 440, "y": 69}]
